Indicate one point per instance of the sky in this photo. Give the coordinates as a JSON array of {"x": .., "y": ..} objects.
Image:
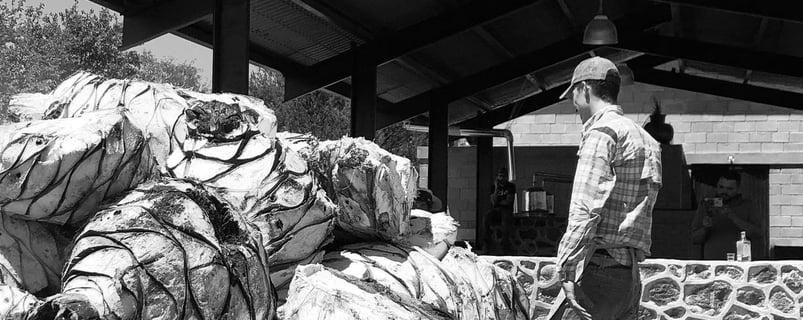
[{"x": 166, "y": 46}]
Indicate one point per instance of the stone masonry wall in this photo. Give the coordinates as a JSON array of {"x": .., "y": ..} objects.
[{"x": 684, "y": 289}]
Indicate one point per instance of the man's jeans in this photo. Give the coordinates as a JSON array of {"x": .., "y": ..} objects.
[{"x": 614, "y": 289}]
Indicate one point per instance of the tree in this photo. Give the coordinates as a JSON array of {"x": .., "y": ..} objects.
[
  {"x": 38, "y": 50},
  {"x": 182, "y": 75},
  {"x": 325, "y": 115}
]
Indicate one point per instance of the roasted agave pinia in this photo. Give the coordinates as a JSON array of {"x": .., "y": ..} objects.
[
  {"x": 155, "y": 109},
  {"x": 410, "y": 273},
  {"x": 59, "y": 171},
  {"x": 167, "y": 250},
  {"x": 232, "y": 147},
  {"x": 321, "y": 293},
  {"x": 373, "y": 188},
  {"x": 502, "y": 297}
]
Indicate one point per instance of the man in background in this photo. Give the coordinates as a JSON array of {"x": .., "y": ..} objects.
[
  {"x": 719, "y": 221},
  {"x": 498, "y": 219}
]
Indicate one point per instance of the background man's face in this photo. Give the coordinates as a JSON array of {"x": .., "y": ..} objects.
[{"x": 727, "y": 189}]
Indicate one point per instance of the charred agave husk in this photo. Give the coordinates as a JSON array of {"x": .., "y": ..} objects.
[
  {"x": 232, "y": 148},
  {"x": 59, "y": 171},
  {"x": 169, "y": 250}
]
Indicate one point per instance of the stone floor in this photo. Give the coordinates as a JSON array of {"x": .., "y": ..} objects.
[{"x": 681, "y": 289}]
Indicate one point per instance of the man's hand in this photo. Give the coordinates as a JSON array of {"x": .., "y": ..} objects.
[{"x": 575, "y": 296}]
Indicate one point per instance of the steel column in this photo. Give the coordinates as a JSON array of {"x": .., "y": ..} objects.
[
  {"x": 439, "y": 148},
  {"x": 230, "y": 55},
  {"x": 363, "y": 96}
]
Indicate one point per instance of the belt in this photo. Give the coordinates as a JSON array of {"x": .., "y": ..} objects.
[{"x": 601, "y": 258}]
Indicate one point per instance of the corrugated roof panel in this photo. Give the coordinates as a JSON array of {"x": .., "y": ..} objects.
[{"x": 287, "y": 28}]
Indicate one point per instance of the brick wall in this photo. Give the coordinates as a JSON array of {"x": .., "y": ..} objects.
[
  {"x": 710, "y": 128},
  {"x": 786, "y": 206}
]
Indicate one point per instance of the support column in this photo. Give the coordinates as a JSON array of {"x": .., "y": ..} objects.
[
  {"x": 363, "y": 95},
  {"x": 439, "y": 148},
  {"x": 485, "y": 179},
  {"x": 230, "y": 55}
]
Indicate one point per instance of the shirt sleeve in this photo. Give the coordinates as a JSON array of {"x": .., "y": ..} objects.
[{"x": 593, "y": 183}]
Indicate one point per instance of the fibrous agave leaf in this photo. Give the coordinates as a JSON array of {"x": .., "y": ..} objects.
[
  {"x": 31, "y": 255},
  {"x": 502, "y": 298},
  {"x": 432, "y": 232},
  {"x": 59, "y": 171},
  {"x": 169, "y": 249},
  {"x": 322, "y": 293}
]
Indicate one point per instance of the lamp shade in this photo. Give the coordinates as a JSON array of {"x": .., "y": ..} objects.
[
  {"x": 600, "y": 31},
  {"x": 626, "y": 75}
]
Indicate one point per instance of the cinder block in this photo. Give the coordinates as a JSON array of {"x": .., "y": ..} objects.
[
  {"x": 558, "y": 128},
  {"x": 795, "y": 178},
  {"x": 550, "y": 139},
  {"x": 744, "y": 126},
  {"x": 695, "y": 137},
  {"x": 792, "y": 189},
  {"x": 777, "y": 117},
  {"x": 760, "y": 136},
  {"x": 544, "y": 118},
  {"x": 780, "y": 137},
  {"x": 716, "y": 137},
  {"x": 769, "y": 126},
  {"x": 778, "y": 178},
  {"x": 793, "y": 147},
  {"x": 780, "y": 221},
  {"x": 797, "y": 115},
  {"x": 796, "y": 137},
  {"x": 539, "y": 128},
  {"x": 797, "y": 222},
  {"x": 734, "y": 117},
  {"x": 570, "y": 139},
  {"x": 792, "y": 210},
  {"x": 772, "y": 147},
  {"x": 727, "y": 147},
  {"x": 791, "y": 232},
  {"x": 567, "y": 118},
  {"x": 750, "y": 147},
  {"x": 755, "y": 117},
  {"x": 681, "y": 126},
  {"x": 703, "y": 126},
  {"x": 788, "y": 126},
  {"x": 722, "y": 126}
]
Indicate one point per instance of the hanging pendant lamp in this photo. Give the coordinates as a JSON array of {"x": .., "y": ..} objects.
[{"x": 600, "y": 31}]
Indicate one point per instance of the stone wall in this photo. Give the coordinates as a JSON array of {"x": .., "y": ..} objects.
[{"x": 685, "y": 289}]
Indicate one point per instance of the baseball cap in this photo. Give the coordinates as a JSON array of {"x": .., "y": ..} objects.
[{"x": 594, "y": 68}]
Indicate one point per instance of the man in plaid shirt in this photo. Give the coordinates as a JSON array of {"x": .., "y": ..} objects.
[{"x": 610, "y": 215}]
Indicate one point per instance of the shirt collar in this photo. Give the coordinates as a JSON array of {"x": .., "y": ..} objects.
[{"x": 594, "y": 118}]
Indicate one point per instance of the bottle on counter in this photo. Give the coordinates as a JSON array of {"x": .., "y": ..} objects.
[
  {"x": 535, "y": 199},
  {"x": 743, "y": 249}
]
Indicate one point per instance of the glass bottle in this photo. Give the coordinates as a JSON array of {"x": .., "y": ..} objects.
[{"x": 743, "y": 249}]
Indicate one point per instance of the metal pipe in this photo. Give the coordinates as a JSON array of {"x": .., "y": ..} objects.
[{"x": 465, "y": 132}]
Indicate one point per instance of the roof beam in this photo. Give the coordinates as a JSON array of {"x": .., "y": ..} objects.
[
  {"x": 543, "y": 99},
  {"x": 720, "y": 88},
  {"x": 406, "y": 40},
  {"x": 521, "y": 66},
  {"x": 716, "y": 54},
  {"x": 773, "y": 9},
  {"x": 162, "y": 18}
]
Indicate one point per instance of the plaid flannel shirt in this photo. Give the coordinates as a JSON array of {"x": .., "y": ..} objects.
[{"x": 615, "y": 186}]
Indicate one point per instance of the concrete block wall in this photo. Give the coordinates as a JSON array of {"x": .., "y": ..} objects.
[
  {"x": 710, "y": 128},
  {"x": 786, "y": 206}
]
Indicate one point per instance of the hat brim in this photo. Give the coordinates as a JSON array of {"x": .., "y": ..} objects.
[{"x": 565, "y": 93}]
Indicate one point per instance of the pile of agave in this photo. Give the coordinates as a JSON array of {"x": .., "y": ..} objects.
[{"x": 125, "y": 199}]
